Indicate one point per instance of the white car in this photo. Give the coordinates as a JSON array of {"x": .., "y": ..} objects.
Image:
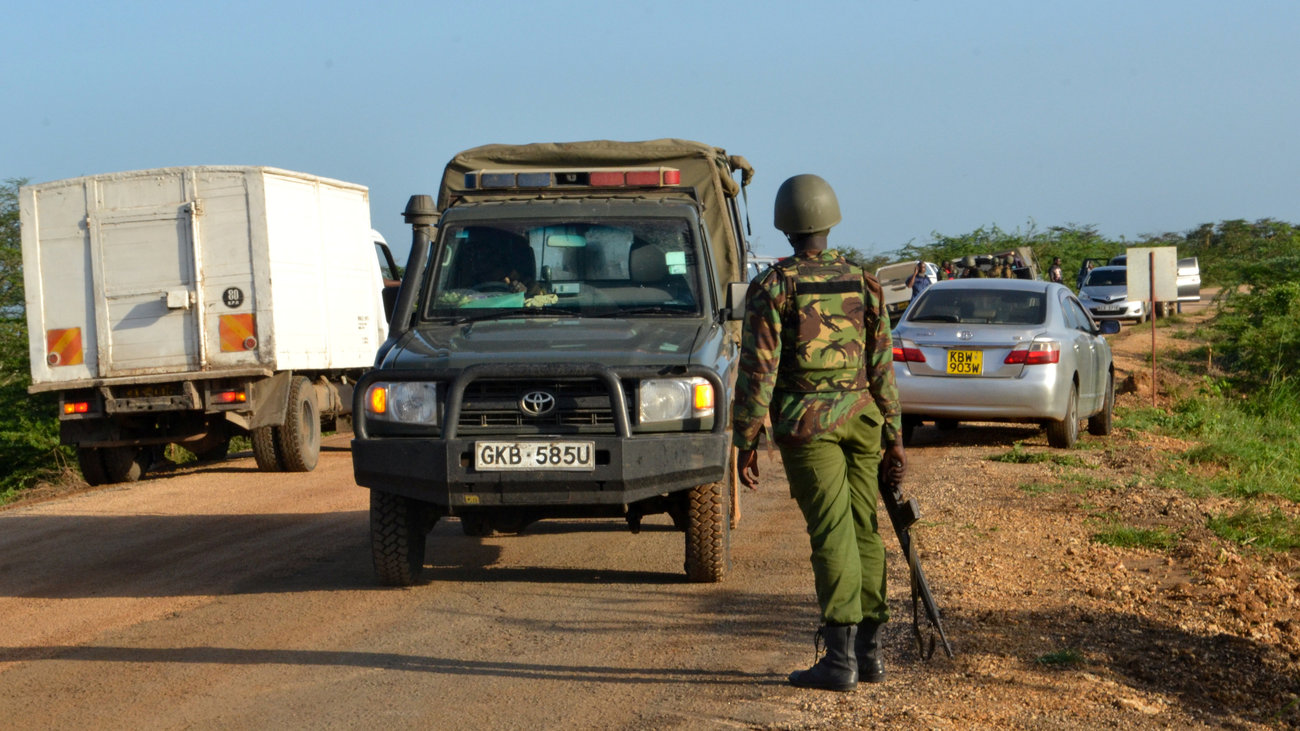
[
  {"x": 1105, "y": 294},
  {"x": 1010, "y": 350}
]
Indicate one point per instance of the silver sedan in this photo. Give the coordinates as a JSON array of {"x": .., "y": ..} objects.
[{"x": 1004, "y": 350}]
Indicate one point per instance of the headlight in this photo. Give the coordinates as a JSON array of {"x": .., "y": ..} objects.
[
  {"x": 1084, "y": 296},
  {"x": 674, "y": 399},
  {"x": 405, "y": 402}
]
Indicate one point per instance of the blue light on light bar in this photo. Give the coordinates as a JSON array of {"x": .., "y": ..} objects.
[
  {"x": 471, "y": 181},
  {"x": 498, "y": 180},
  {"x": 534, "y": 180}
]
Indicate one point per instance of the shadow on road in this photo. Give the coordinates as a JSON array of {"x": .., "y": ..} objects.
[{"x": 385, "y": 661}]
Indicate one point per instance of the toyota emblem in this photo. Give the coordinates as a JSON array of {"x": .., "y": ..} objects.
[
  {"x": 965, "y": 334},
  {"x": 536, "y": 403}
]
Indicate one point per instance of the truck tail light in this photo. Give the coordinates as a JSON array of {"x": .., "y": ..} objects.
[
  {"x": 230, "y": 397},
  {"x": 76, "y": 407}
]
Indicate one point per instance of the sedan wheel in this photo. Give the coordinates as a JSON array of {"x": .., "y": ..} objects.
[
  {"x": 1064, "y": 433},
  {"x": 1099, "y": 424}
]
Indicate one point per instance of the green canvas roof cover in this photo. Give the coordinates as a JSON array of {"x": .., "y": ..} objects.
[{"x": 705, "y": 168}]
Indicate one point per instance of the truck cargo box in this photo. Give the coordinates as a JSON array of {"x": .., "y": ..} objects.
[{"x": 197, "y": 270}]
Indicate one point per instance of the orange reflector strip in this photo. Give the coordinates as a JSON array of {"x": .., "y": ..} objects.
[
  {"x": 63, "y": 347},
  {"x": 378, "y": 400},
  {"x": 236, "y": 333}
]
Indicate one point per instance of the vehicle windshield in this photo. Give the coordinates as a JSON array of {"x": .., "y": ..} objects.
[
  {"x": 531, "y": 267},
  {"x": 1106, "y": 278},
  {"x": 989, "y": 306}
]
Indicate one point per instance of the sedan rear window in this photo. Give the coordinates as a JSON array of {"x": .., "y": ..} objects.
[{"x": 997, "y": 307}]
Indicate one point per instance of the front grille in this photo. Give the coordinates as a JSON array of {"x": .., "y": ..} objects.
[{"x": 492, "y": 407}]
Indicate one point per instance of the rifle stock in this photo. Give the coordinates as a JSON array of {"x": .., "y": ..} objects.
[{"x": 902, "y": 514}]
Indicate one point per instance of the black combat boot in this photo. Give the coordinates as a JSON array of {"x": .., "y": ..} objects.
[
  {"x": 837, "y": 669},
  {"x": 867, "y": 648}
]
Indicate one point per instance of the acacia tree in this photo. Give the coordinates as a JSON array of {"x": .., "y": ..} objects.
[{"x": 13, "y": 331}]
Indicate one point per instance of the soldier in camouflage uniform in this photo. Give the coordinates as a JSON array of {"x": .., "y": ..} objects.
[{"x": 817, "y": 354}]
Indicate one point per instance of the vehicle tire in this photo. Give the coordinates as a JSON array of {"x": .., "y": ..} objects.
[
  {"x": 1063, "y": 434},
  {"x": 708, "y": 532},
  {"x": 266, "y": 449},
  {"x": 92, "y": 466},
  {"x": 1099, "y": 424},
  {"x": 124, "y": 464},
  {"x": 300, "y": 435},
  {"x": 399, "y": 527},
  {"x": 909, "y": 426}
]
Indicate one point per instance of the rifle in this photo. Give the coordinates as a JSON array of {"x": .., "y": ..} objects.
[{"x": 902, "y": 514}]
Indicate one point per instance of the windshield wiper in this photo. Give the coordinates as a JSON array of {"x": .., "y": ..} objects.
[
  {"x": 506, "y": 314},
  {"x": 645, "y": 310}
]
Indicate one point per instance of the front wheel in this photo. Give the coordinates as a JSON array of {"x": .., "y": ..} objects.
[
  {"x": 1063, "y": 434},
  {"x": 1099, "y": 424},
  {"x": 399, "y": 527},
  {"x": 708, "y": 532}
]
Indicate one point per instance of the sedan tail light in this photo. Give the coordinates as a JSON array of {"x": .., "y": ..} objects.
[
  {"x": 907, "y": 352},
  {"x": 1037, "y": 353}
]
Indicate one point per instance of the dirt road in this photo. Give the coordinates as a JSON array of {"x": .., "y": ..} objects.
[{"x": 215, "y": 596}]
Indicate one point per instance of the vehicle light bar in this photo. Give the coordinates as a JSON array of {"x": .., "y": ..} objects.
[
  {"x": 656, "y": 177},
  {"x": 1040, "y": 353}
]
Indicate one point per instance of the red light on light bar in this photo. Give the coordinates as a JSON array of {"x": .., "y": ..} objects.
[
  {"x": 230, "y": 397},
  {"x": 643, "y": 177},
  {"x": 605, "y": 178},
  {"x": 672, "y": 177},
  {"x": 76, "y": 407}
]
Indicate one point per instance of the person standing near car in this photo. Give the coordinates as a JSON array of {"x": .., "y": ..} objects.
[
  {"x": 919, "y": 280},
  {"x": 817, "y": 354},
  {"x": 1054, "y": 273}
]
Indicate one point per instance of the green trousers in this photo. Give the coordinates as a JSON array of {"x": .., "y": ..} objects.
[{"x": 833, "y": 480}]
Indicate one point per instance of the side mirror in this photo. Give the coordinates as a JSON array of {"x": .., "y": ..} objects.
[
  {"x": 389, "y": 294},
  {"x": 736, "y": 292},
  {"x": 1109, "y": 327}
]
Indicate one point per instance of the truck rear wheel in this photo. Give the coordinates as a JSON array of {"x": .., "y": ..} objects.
[
  {"x": 299, "y": 438},
  {"x": 398, "y": 529},
  {"x": 708, "y": 532},
  {"x": 92, "y": 466},
  {"x": 266, "y": 449},
  {"x": 124, "y": 464}
]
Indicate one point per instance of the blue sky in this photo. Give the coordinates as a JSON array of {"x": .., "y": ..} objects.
[{"x": 925, "y": 115}]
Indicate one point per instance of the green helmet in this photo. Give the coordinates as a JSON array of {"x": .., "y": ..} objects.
[
  {"x": 806, "y": 204},
  {"x": 968, "y": 261}
]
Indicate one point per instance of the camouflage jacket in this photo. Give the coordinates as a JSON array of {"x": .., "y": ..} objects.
[{"x": 816, "y": 351}]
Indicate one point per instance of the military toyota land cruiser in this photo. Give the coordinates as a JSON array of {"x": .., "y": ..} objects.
[{"x": 563, "y": 345}]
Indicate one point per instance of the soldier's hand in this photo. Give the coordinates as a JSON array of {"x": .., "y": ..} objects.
[
  {"x": 895, "y": 462},
  {"x": 747, "y": 466}
]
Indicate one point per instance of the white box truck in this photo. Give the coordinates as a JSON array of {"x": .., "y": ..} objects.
[{"x": 187, "y": 305}]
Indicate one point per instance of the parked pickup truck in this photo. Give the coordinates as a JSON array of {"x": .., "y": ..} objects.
[
  {"x": 893, "y": 281},
  {"x": 564, "y": 345}
]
